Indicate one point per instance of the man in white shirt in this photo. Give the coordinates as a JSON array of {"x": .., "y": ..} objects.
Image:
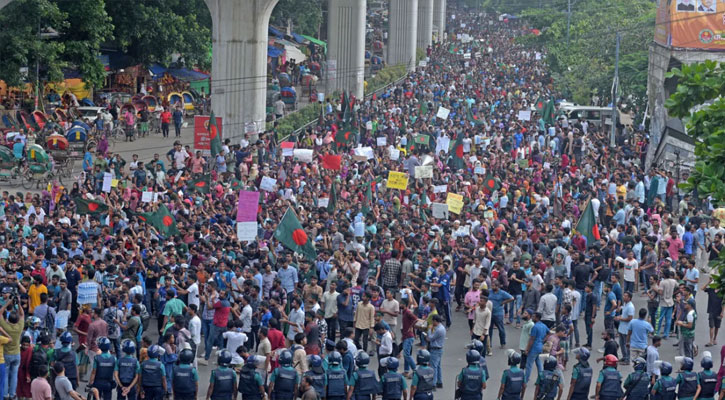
[
  {"x": 631, "y": 267},
  {"x": 547, "y": 307},
  {"x": 385, "y": 342}
]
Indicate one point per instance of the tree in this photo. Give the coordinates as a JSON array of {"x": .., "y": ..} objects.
[
  {"x": 21, "y": 43},
  {"x": 304, "y": 15},
  {"x": 87, "y": 27},
  {"x": 698, "y": 100}
]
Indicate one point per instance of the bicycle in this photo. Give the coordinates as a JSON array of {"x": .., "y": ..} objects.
[{"x": 38, "y": 175}]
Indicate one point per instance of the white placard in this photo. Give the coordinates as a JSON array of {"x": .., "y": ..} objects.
[
  {"x": 538, "y": 56},
  {"x": 365, "y": 151},
  {"x": 359, "y": 229},
  {"x": 268, "y": 184},
  {"x": 369, "y": 125},
  {"x": 247, "y": 231},
  {"x": 323, "y": 202},
  {"x": 321, "y": 97},
  {"x": 61, "y": 319},
  {"x": 289, "y": 152},
  {"x": 87, "y": 292},
  {"x": 479, "y": 171},
  {"x": 382, "y": 141},
  {"x": 107, "y": 180},
  {"x": 477, "y": 54},
  {"x": 440, "y": 188},
  {"x": 304, "y": 155},
  {"x": 394, "y": 154},
  {"x": 147, "y": 197},
  {"x": 464, "y": 230},
  {"x": 467, "y": 56},
  {"x": 440, "y": 210},
  {"x": 443, "y": 144},
  {"x": 463, "y": 25},
  {"x": 423, "y": 63},
  {"x": 178, "y": 176},
  {"x": 524, "y": 115},
  {"x": 472, "y": 159},
  {"x": 443, "y": 113},
  {"x": 423, "y": 172}
]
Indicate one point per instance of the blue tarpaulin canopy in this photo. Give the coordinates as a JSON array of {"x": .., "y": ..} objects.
[
  {"x": 275, "y": 32},
  {"x": 298, "y": 38},
  {"x": 274, "y": 52},
  {"x": 157, "y": 69},
  {"x": 187, "y": 74}
]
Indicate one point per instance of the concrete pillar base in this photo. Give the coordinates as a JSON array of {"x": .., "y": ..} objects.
[
  {"x": 403, "y": 21},
  {"x": 239, "y": 64},
  {"x": 439, "y": 18},
  {"x": 425, "y": 24},
  {"x": 346, "y": 46}
]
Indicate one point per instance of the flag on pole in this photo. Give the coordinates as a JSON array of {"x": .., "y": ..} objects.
[
  {"x": 331, "y": 161},
  {"x": 214, "y": 137},
  {"x": 201, "y": 184},
  {"x": 162, "y": 220},
  {"x": 456, "y": 160},
  {"x": 290, "y": 233},
  {"x": 332, "y": 203},
  {"x": 84, "y": 207},
  {"x": 587, "y": 225}
]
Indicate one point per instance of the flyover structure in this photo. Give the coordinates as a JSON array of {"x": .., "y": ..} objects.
[{"x": 346, "y": 46}]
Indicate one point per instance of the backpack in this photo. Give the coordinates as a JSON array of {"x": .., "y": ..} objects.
[
  {"x": 188, "y": 339},
  {"x": 110, "y": 316},
  {"x": 39, "y": 357}
]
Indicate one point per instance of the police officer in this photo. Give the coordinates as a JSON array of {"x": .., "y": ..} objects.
[
  {"x": 365, "y": 384},
  {"x": 251, "y": 384},
  {"x": 153, "y": 373},
  {"x": 394, "y": 385},
  {"x": 581, "y": 376},
  {"x": 637, "y": 383},
  {"x": 103, "y": 366},
  {"x": 472, "y": 379},
  {"x": 185, "y": 378},
  {"x": 478, "y": 346},
  {"x": 550, "y": 380},
  {"x": 127, "y": 371},
  {"x": 424, "y": 378},
  {"x": 609, "y": 382},
  {"x": 708, "y": 379},
  {"x": 512, "y": 382},
  {"x": 336, "y": 383},
  {"x": 317, "y": 375},
  {"x": 687, "y": 380},
  {"x": 67, "y": 356},
  {"x": 665, "y": 387},
  {"x": 284, "y": 379},
  {"x": 223, "y": 381}
]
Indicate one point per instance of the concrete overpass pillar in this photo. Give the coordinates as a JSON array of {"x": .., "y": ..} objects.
[
  {"x": 439, "y": 17},
  {"x": 403, "y": 19},
  {"x": 239, "y": 64},
  {"x": 346, "y": 46},
  {"x": 425, "y": 24}
]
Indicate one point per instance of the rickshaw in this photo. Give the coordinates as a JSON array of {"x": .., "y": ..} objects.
[
  {"x": 9, "y": 171},
  {"x": 188, "y": 102},
  {"x": 289, "y": 96},
  {"x": 309, "y": 85},
  {"x": 284, "y": 79},
  {"x": 40, "y": 118},
  {"x": 59, "y": 148},
  {"x": 60, "y": 115},
  {"x": 175, "y": 98},
  {"x": 77, "y": 138},
  {"x": 316, "y": 69},
  {"x": 25, "y": 120},
  {"x": 378, "y": 47},
  {"x": 376, "y": 64},
  {"x": 151, "y": 103},
  {"x": 39, "y": 169}
]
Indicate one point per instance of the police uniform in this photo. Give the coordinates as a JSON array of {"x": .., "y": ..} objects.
[
  {"x": 513, "y": 383},
  {"x": 548, "y": 382},
  {"x": 223, "y": 379},
  {"x": 336, "y": 382},
  {"x": 285, "y": 379},
  {"x": 104, "y": 364},
  {"x": 637, "y": 385},
  {"x": 67, "y": 356},
  {"x": 687, "y": 382},
  {"x": 611, "y": 384},
  {"x": 708, "y": 382},
  {"x": 484, "y": 366},
  {"x": 365, "y": 384},
  {"x": 665, "y": 388},
  {"x": 127, "y": 368},
  {"x": 424, "y": 378},
  {"x": 152, "y": 377},
  {"x": 393, "y": 385},
  {"x": 183, "y": 382},
  {"x": 249, "y": 382},
  {"x": 583, "y": 375},
  {"x": 472, "y": 379}
]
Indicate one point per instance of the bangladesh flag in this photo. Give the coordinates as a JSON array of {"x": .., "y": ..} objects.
[
  {"x": 345, "y": 136},
  {"x": 471, "y": 117},
  {"x": 422, "y": 139},
  {"x": 214, "y": 136},
  {"x": 423, "y": 108},
  {"x": 456, "y": 160},
  {"x": 550, "y": 112},
  {"x": 290, "y": 233},
  {"x": 587, "y": 225},
  {"x": 84, "y": 207},
  {"x": 332, "y": 204},
  {"x": 368, "y": 199},
  {"x": 539, "y": 105},
  {"x": 490, "y": 183},
  {"x": 201, "y": 184}
]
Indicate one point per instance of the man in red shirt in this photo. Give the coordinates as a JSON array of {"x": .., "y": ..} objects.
[
  {"x": 165, "y": 121},
  {"x": 409, "y": 319},
  {"x": 222, "y": 308},
  {"x": 276, "y": 339}
]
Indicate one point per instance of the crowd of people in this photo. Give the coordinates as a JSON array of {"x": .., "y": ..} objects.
[{"x": 138, "y": 285}]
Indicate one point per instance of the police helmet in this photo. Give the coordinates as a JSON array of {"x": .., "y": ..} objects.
[
  {"x": 550, "y": 363},
  {"x": 610, "y": 360},
  {"x": 473, "y": 357},
  {"x": 640, "y": 364},
  {"x": 104, "y": 344},
  {"x": 392, "y": 364},
  {"x": 335, "y": 358},
  {"x": 476, "y": 345},
  {"x": 66, "y": 338},
  {"x": 686, "y": 363},
  {"x": 225, "y": 358},
  {"x": 706, "y": 362},
  {"x": 362, "y": 359},
  {"x": 514, "y": 358},
  {"x": 128, "y": 347},
  {"x": 285, "y": 358},
  {"x": 185, "y": 357},
  {"x": 155, "y": 351},
  {"x": 423, "y": 357},
  {"x": 313, "y": 360},
  {"x": 666, "y": 369},
  {"x": 252, "y": 361},
  {"x": 583, "y": 353}
]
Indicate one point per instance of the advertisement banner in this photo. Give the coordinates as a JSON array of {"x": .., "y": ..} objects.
[
  {"x": 202, "y": 141},
  {"x": 691, "y": 24}
]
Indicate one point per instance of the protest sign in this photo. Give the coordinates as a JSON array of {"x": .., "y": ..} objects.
[
  {"x": 443, "y": 113},
  {"x": 455, "y": 203},
  {"x": 397, "y": 180},
  {"x": 268, "y": 184},
  {"x": 424, "y": 172},
  {"x": 247, "y": 206},
  {"x": 247, "y": 231},
  {"x": 440, "y": 210}
]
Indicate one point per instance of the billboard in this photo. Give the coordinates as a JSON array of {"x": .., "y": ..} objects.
[
  {"x": 202, "y": 141},
  {"x": 691, "y": 24}
]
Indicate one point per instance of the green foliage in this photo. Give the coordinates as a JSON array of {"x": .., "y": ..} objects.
[
  {"x": 385, "y": 76},
  {"x": 295, "y": 120},
  {"x": 151, "y": 31},
  {"x": 21, "y": 45},
  {"x": 305, "y": 15},
  {"x": 586, "y": 64},
  {"x": 698, "y": 100}
]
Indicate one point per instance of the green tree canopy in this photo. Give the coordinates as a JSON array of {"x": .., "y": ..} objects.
[{"x": 305, "y": 15}]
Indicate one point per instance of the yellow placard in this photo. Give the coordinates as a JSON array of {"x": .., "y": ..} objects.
[
  {"x": 397, "y": 180},
  {"x": 114, "y": 182},
  {"x": 455, "y": 203}
]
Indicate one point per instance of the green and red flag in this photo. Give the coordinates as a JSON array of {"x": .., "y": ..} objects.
[
  {"x": 162, "y": 220},
  {"x": 423, "y": 139},
  {"x": 423, "y": 108},
  {"x": 215, "y": 140},
  {"x": 345, "y": 135},
  {"x": 456, "y": 160},
  {"x": 202, "y": 184},
  {"x": 471, "y": 117},
  {"x": 587, "y": 225},
  {"x": 332, "y": 203},
  {"x": 84, "y": 207},
  {"x": 539, "y": 105},
  {"x": 491, "y": 183},
  {"x": 290, "y": 233},
  {"x": 368, "y": 199},
  {"x": 549, "y": 112}
]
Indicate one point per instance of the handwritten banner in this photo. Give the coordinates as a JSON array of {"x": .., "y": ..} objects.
[
  {"x": 247, "y": 206},
  {"x": 455, "y": 203},
  {"x": 397, "y": 180}
]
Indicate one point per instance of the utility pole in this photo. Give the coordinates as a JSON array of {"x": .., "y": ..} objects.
[
  {"x": 615, "y": 89},
  {"x": 568, "y": 21}
]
